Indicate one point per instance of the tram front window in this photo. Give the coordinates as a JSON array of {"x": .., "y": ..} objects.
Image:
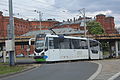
[{"x": 40, "y": 44}]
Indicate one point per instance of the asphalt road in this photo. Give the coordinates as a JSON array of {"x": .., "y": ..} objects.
[{"x": 60, "y": 71}]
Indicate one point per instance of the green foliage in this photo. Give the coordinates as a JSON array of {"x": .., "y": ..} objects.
[{"x": 95, "y": 27}]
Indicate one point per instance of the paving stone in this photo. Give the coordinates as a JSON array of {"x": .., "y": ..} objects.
[{"x": 109, "y": 68}]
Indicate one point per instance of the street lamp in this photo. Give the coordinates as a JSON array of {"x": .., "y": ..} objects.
[{"x": 40, "y": 17}]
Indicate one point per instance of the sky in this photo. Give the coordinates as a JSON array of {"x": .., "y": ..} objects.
[{"x": 62, "y": 9}]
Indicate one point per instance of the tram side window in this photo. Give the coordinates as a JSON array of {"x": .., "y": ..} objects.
[
  {"x": 46, "y": 43},
  {"x": 56, "y": 43},
  {"x": 101, "y": 49},
  {"x": 59, "y": 43},
  {"x": 75, "y": 43},
  {"x": 64, "y": 43},
  {"x": 93, "y": 44},
  {"x": 78, "y": 44},
  {"x": 83, "y": 44},
  {"x": 51, "y": 44}
]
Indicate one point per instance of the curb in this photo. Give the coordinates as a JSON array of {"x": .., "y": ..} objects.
[
  {"x": 114, "y": 76},
  {"x": 97, "y": 72},
  {"x": 14, "y": 73}
]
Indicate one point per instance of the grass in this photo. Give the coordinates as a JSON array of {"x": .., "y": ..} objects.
[{"x": 6, "y": 69}]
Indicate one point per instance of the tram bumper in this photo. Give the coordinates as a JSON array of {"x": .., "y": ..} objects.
[{"x": 40, "y": 58}]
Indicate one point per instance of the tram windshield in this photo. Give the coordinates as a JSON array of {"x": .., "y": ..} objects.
[
  {"x": 39, "y": 44},
  {"x": 40, "y": 41}
]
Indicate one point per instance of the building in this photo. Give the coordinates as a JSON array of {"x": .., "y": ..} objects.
[
  {"x": 107, "y": 23},
  {"x": 21, "y": 26},
  {"x": 71, "y": 27},
  {"x": 44, "y": 25}
]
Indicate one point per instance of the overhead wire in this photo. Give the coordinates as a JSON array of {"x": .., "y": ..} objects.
[
  {"x": 26, "y": 10},
  {"x": 32, "y": 6},
  {"x": 52, "y": 12},
  {"x": 39, "y": 4}
]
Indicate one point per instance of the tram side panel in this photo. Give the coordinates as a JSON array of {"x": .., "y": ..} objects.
[
  {"x": 82, "y": 54},
  {"x": 60, "y": 49},
  {"x": 67, "y": 49},
  {"x": 53, "y": 55}
]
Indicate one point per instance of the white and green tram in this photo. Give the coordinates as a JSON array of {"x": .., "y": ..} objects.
[{"x": 60, "y": 48}]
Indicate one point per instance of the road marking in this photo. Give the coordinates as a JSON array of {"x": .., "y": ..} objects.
[{"x": 97, "y": 72}]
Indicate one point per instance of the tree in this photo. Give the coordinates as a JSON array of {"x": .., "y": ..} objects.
[{"x": 95, "y": 27}]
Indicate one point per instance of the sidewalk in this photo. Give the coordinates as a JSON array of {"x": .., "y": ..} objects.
[{"x": 109, "y": 68}]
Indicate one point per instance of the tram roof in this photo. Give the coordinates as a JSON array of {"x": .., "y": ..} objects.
[
  {"x": 72, "y": 37},
  {"x": 62, "y": 36}
]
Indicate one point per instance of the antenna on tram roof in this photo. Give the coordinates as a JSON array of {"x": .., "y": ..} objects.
[{"x": 51, "y": 29}]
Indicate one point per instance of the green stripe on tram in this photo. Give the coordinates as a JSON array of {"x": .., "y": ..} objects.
[{"x": 40, "y": 60}]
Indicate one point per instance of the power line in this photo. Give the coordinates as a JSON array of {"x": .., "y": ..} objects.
[
  {"x": 46, "y": 4},
  {"x": 23, "y": 5},
  {"x": 23, "y": 8},
  {"x": 39, "y": 4},
  {"x": 32, "y": 7},
  {"x": 35, "y": 6}
]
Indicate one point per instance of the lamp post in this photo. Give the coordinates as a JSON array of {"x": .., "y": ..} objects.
[{"x": 40, "y": 18}]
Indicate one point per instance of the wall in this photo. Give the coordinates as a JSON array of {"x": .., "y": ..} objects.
[
  {"x": 35, "y": 25},
  {"x": 1, "y": 24}
]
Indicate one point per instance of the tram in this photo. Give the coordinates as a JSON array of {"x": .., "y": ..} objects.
[{"x": 60, "y": 48}]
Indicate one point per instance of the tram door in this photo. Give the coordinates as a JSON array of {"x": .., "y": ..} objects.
[
  {"x": 65, "y": 51},
  {"x": 53, "y": 49}
]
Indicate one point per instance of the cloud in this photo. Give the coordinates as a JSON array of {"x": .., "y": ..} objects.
[
  {"x": 50, "y": 2},
  {"x": 93, "y": 7},
  {"x": 92, "y": 14},
  {"x": 63, "y": 9}
]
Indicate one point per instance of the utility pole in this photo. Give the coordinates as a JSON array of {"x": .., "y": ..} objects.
[
  {"x": 82, "y": 11},
  {"x": 40, "y": 18},
  {"x": 11, "y": 36},
  {"x": 84, "y": 21}
]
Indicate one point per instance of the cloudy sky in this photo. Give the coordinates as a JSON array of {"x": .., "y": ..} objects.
[{"x": 62, "y": 9}]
